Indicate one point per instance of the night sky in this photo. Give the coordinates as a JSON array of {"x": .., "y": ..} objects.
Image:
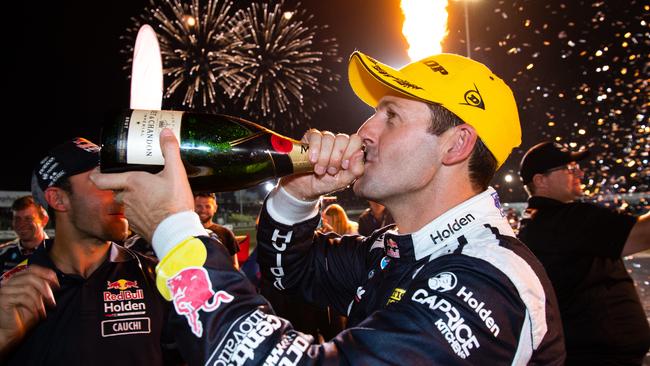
[{"x": 579, "y": 71}]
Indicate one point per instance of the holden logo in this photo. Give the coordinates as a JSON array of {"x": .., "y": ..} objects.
[{"x": 443, "y": 281}]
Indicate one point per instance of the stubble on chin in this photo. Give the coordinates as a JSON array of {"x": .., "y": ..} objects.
[
  {"x": 119, "y": 233},
  {"x": 365, "y": 189}
]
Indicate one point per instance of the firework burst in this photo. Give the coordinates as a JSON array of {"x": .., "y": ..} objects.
[
  {"x": 197, "y": 51},
  {"x": 284, "y": 60}
]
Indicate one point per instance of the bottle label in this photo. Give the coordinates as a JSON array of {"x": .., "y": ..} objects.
[{"x": 143, "y": 146}]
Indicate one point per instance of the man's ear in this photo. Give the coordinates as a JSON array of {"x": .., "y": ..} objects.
[
  {"x": 539, "y": 180},
  {"x": 45, "y": 220},
  {"x": 460, "y": 144},
  {"x": 56, "y": 198}
]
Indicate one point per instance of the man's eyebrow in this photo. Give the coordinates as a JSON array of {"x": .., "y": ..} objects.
[{"x": 386, "y": 103}]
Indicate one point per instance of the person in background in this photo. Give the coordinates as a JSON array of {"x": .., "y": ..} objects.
[
  {"x": 580, "y": 245},
  {"x": 374, "y": 217},
  {"x": 336, "y": 220},
  {"x": 452, "y": 286},
  {"x": 81, "y": 299},
  {"x": 513, "y": 219},
  {"x": 28, "y": 221},
  {"x": 205, "y": 205}
]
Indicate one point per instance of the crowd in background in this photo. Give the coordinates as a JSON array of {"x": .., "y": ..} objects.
[{"x": 29, "y": 220}]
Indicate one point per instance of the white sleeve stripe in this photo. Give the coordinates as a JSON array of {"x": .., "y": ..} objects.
[
  {"x": 523, "y": 277},
  {"x": 524, "y": 348}
]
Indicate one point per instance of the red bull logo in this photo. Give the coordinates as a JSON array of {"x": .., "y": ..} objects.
[
  {"x": 191, "y": 291},
  {"x": 12, "y": 272},
  {"x": 123, "y": 295},
  {"x": 392, "y": 249},
  {"x": 121, "y": 285}
]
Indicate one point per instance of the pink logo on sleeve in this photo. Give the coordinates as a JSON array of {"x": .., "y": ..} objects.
[{"x": 191, "y": 291}]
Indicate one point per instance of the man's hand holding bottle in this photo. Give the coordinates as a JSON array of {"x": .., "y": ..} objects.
[
  {"x": 149, "y": 199},
  {"x": 337, "y": 160}
]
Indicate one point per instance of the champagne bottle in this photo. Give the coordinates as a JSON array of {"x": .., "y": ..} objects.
[{"x": 220, "y": 153}]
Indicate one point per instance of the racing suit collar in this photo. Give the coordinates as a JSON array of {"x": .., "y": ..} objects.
[
  {"x": 117, "y": 254},
  {"x": 40, "y": 255},
  {"x": 25, "y": 251},
  {"x": 441, "y": 236}
]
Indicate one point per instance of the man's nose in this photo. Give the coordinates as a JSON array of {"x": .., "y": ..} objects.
[{"x": 369, "y": 130}]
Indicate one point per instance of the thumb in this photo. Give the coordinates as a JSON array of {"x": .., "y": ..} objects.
[
  {"x": 171, "y": 152},
  {"x": 113, "y": 181}
]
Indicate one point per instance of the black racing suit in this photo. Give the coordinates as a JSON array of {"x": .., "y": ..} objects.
[
  {"x": 12, "y": 253},
  {"x": 462, "y": 290}
]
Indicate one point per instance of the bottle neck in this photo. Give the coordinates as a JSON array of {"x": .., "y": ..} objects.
[{"x": 299, "y": 156}]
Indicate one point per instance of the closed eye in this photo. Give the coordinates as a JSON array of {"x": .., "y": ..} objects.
[{"x": 387, "y": 109}]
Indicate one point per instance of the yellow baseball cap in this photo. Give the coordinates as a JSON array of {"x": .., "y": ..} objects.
[{"x": 463, "y": 86}]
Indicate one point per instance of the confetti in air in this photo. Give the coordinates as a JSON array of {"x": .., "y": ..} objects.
[
  {"x": 286, "y": 61},
  {"x": 196, "y": 50},
  {"x": 579, "y": 71}
]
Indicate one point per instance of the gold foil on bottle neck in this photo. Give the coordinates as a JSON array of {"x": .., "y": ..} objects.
[{"x": 299, "y": 156}]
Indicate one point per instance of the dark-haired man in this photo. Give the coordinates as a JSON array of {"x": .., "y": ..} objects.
[
  {"x": 580, "y": 245},
  {"x": 449, "y": 286},
  {"x": 81, "y": 299},
  {"x": 205, "y": 205}
]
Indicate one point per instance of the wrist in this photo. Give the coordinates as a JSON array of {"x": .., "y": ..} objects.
[
  {"x": 175, "y": 229},
  {"x": 297, "y": 189},
  {"x": 287, "y": 209},
  {"x": 8, "y": 341}
]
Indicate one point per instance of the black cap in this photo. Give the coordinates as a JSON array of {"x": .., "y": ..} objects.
[
  {"x": 544, "y": 156},
  {"x": 67, "y": 159}
]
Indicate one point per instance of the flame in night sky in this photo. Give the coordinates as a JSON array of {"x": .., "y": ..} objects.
[{"x": 425, "y": 26}]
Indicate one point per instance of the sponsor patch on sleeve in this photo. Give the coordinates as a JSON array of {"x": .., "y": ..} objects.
[
  {"x": 191, "y": 291},
  {"x": 247, "y": 334}
]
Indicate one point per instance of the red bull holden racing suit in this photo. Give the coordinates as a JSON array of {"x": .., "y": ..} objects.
[{"x": 462, "y": 290}]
